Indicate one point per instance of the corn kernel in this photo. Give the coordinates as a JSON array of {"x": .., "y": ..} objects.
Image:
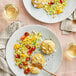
[
  {"x": 17, "y": 46},
  {"x": 33, "y": 38},
  {"x": 23, "y": 55},
  {"x": 37, "y": 46},
  {"x": 25, "y": 68},
  {"x": 59, "y": 11}
]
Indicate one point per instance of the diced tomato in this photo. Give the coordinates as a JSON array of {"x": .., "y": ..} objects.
[
  {"x": 28, "y": 46},
  {"x": 20, "y": 66},
  {"x": 23, "y": 37},
  {"x": 27, "y": 71},
  {"x": 25, "y": 63},
  {"x": 30, "y": 52},
  {"x": 33, "y": 48},
  {"x": 26, "y": 34},
  {"x": 51, "y": 3},
  {"x": 17, "y": 56},
  {"x": 61, "y": 1},
  {"x": 28, "y": 58}
]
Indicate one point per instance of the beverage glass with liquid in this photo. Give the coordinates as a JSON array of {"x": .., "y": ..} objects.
[
  {"x": 71, "y": 50},
  {"x": 11, "y": 11}
]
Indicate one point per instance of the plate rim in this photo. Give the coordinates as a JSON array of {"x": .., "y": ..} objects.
[
  {"x": 33, "y": 26},
  {"x": 66, "y": 16}
]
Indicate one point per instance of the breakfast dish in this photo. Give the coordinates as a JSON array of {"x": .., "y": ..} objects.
[
  {"x": 25, "y": 48},
  {"x": 41, "y": 13},
  {"x": 19, "y": 56},
  {"x": 48, "y": 46},
  {"x": 52, "y": 7},
  {"x": 38, "y": 58}
]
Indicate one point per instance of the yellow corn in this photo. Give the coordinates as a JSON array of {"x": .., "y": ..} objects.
[
  {"x": 17, "y": 46},
  {"x": 23, "y": 55},
  {"x": 59, "y": 11},
  {"x": 25, "y": 68},
  {"x": 37, "y": 46},
  {"x": 33, "y": 38}
]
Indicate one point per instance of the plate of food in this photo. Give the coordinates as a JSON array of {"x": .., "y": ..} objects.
[
  {"x": 32, "y": 45},
  {"x": 50, "y": 11}
]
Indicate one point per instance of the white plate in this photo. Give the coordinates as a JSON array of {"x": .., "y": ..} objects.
[
  {"x": 42, "y": 16},
  {"x": 54, "y": 59}
]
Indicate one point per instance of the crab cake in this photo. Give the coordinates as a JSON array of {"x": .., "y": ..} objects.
[
  {"x": 34, "y": 70},
  {"x": 39, "y": 3},
  {"x": 48, "y": 46},
  {"x": 38, "y": 58}
]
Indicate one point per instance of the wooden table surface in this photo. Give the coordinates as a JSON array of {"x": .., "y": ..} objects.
[{"x": 68, "y": 66}]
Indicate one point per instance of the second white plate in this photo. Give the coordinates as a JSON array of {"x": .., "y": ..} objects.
[
  {"x": 53, "y": 60},
  {"x": 42, "y": 16}
]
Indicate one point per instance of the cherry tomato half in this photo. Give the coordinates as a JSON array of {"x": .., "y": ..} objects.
[
  {"x": 51, "y": 3},
  {"x": 17, "y": 56},
  {"x": 28, "y": 59},
  {"x": 27, "y": 71},
  {"x": 20, "y": 66},
  {"x": 61, "y": 1},
  {"x": 23, "y": 37},
  {"x": 26, "y": 34},
  {"x": 30, "y": 52},
  {"x": 25, "y": 63},
  {"x": 33, "y": 48}
]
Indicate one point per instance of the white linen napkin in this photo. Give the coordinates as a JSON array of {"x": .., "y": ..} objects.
[
  {"x": 4, "y": 36},
  {"x": 67, "y": 26}
]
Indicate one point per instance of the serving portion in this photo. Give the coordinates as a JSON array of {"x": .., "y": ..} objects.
[
  {"x": 45, "y": 10},
  {"x": 26, "y": 55},
  {"x": 48, "y": 46},
  {"x": 52, "y": 7},
  {"x": 26, "y": 49}
]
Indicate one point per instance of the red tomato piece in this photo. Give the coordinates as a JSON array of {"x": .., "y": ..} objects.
[
  {"x": 50, "y": 3},
  {"x": 28, "y": 58},
  {"x": 26, "y": 34},
  {"x": 27, "y": 71},
  {"x": 20, "y": 66},
  {"x": 61, "y": 1},
  {"x": 25, "y": 63},
  {"x": 18, "y": 56},
  {"x": 23, "y": 37},
  {"x": 30, "y": 52},
  {"x": 33, "y": 48}
]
